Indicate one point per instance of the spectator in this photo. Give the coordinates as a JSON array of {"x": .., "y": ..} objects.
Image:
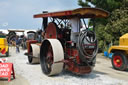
[{"x": 17, "y": 40}]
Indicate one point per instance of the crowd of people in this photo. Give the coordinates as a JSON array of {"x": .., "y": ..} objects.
[{"x": 17, "y": 42}]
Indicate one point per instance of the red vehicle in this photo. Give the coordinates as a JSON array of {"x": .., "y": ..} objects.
[
  {"x": 62, "y": 48},
  {"x": 32, "y": 39}
]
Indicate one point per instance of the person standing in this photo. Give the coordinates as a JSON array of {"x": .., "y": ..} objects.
[{"x": 17, "y": 40}]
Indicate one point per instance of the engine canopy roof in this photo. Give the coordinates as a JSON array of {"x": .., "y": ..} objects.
[{"x": 79, "y": 12}]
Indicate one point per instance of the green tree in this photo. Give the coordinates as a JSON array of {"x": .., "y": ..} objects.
[
  {"x": 108, "y": 5},
  {"x": 83, "y": 4},
  {"x": 118, "y": 24}
]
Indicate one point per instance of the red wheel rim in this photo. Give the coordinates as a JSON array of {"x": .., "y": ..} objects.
[
  {"x": 49, "y": 56},
  {"x": 117, "y": 61}
]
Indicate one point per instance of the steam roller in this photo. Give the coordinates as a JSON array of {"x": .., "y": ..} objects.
[{"x": 61, "y": 48}]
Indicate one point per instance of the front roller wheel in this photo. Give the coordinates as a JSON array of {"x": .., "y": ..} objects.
[
  {"x": 119, "y": 61},
  {"x": 50, "y": 56},
  {"x": 33, "y": 57}
]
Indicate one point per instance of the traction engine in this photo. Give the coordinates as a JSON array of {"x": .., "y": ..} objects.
[{"x": 58, "y": 51}]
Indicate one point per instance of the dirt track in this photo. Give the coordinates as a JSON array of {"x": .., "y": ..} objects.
[{"x": 103, "y": 74}]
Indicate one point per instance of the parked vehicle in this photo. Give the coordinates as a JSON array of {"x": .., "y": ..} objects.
[
  {"x": 32, "y": 38},
  {"x": 120, "y": 53},
  {"x": 4, "y": 48}
]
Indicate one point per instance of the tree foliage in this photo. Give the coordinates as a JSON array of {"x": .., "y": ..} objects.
[
  {"x": 108, "y": 5},
  {"x": 118, "y": 23}
]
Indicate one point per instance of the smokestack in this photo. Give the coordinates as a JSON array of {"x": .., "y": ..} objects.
[{"x": 45, "y": 21}]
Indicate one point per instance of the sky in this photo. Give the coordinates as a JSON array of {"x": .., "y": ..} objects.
[{"x": 18, "y": 14}]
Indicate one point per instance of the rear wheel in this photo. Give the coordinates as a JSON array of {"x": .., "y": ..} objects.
[
  {"x": 119, "y": 61},
  {"x": 51, "y": 57}
]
